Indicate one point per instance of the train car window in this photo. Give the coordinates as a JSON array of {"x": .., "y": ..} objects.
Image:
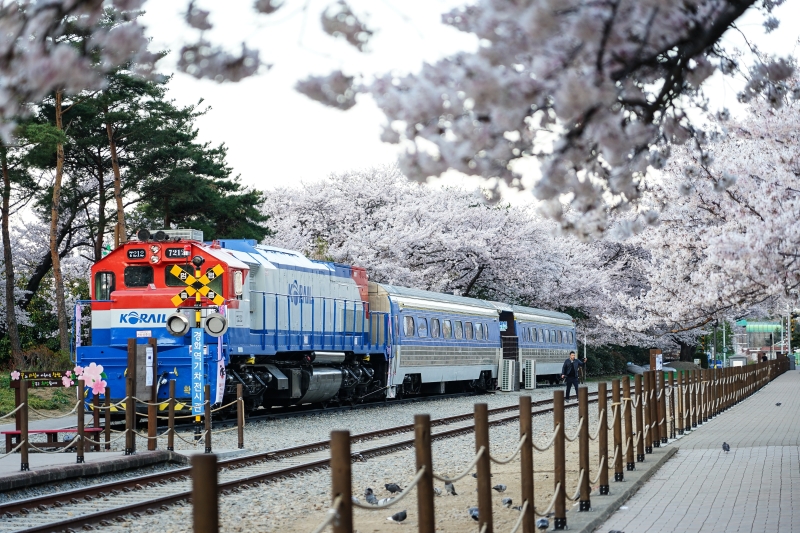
[
  {"x": 470, "y": 333},
  {"x": 434, "y": 327},
  {"x": 571, "y": 338},
  {"x": 486, "y": 329},
  {"x": 528, "y": 334},
  {"x": 546, "y": 335},
  {"x": 422, "y": 327},
  {"x": 408, "y": 326},
  {"x": 459, "y": 329},
  {"x": 560, "y": 337},
  {"x": 447, "y": 329},
  {"x": 479, "y": 331},
  {"x": 104, "y": 285},
  {"x": 138, "y": 275},
  {"x": 553, "y": 336}
]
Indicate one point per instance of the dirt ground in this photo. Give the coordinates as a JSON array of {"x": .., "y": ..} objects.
[{"x": 451, "y": 511}]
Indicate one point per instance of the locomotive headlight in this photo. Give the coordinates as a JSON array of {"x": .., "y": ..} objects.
[
  {"x": 216, "y": 324},
  {"x": 198, "y": 261},
  {"x": 177, "y": 324}
]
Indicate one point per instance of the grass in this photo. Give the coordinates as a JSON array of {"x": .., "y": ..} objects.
[{"x": 46, "y": 399}]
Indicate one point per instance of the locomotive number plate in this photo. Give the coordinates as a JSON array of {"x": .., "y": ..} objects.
[
  {"x": 137, "y": 253},
  {"x": 176, "y": 253}
]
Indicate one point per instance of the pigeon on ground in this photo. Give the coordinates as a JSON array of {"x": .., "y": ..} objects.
[
  {"x": 398, "y": 517},
  {"x": 384, "y": 501},
  {"x": 393, "y": 487},
  {"x": 473, "y": 512},
  {"x": 517, "y": 508},
  {"x": 507, "y": 502},
  {"x": 370, "y": 496},
  {"x": 437, "y": 491},
  {"x": 475, "y": 475},
  {"x": 726, "y": 447},
  {"x": 778, "y": 404},
  {"x": 450, "y": 488},
  {"x": 542, "y": 524},
  {"x": 500, "y": 488}
]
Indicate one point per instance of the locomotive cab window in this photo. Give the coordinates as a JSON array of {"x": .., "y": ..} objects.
[
  {"x": 447, "y": 329},
  {"x": 408, "y": 326},
  {"x": 434, "y": 327},
  {"x": 138, "y": 275},
  {"x": 422, "y": 327},
  {"x": 479, "y": 331},
  {"x": 104, "y": 285},
  {"x": 468, "y": 330},
  {"x": 459, "y": 329}
]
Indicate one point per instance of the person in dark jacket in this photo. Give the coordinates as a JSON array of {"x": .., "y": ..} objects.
[{"x": 570, "y": 372}]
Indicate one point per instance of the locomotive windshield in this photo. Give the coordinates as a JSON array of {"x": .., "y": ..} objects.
[{"x": 138, "y": 275}]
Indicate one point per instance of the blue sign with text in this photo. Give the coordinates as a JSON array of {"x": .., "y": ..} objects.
[{"x": 198, "y": 381}]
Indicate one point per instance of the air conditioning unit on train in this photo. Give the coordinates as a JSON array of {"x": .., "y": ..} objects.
[
  {"x": 530, "y": 374},
  {"x": 507, "y": 375}
]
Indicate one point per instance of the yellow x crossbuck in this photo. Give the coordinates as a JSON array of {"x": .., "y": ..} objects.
[{"x": 195, "y": 285}]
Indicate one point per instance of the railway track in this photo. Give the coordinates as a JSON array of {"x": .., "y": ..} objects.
[{"x": 99, "y": 505}]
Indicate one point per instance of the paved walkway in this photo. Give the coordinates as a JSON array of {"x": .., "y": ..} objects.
[{"x": 754, "y": 488}]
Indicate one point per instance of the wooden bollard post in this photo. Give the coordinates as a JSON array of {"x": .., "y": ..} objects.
[
  {"x": 693, "y": 397},
  {"x": 679, "y": 415},
  {"x": 616, "y": 404},
  {"x": 629, "y": 431},
  {"x": 657, "y": 409},
  {"x": 341, "y": 480},
  {"x": 648, "y": 413},
  {"x": 96, "y": 418},
  {"x": 526, "y": 463},
  {"x": 424, "y": 457},
  {"x": 152, "y": 426},
  {"x": 80, "y": 446},
  {"x": 107, "y": 418},
  {"x": 171, "y": 417},
  {"x": 662, "y": 408},
  {"x": 483, "y": 467},
  {"x": 207, "y": 391},
  {"x": 559, "y": 462},
  {"x": 240, "y": 413},
  {"x": 205, "y": 497},
  {"x": 602, "y": 436},
  {"x": 637, "y": 382},
  {"x": 672, "y": 394},
  {"x": 584, "y": 502},
  {"x": 23, "y": 426},
  {"x": 130, "y": 419},
  {"x": 705, "y": 390}
]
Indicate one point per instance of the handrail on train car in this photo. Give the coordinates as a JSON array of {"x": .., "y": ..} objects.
[{"x": 358, "y": 307}]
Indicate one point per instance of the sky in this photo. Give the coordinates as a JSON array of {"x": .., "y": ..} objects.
[{"x": 278, "y": 137}]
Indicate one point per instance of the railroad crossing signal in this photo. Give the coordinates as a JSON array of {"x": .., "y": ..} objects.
[{"x": 195, "y": 285}]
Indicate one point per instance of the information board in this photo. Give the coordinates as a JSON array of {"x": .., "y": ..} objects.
[{"x": 198, "y": 381}]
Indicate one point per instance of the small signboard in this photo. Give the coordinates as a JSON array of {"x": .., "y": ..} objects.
[
  {"x": 198, "y": 381},
  {"x": 697, "y": 362},
  {"x": 503, "y": 325},
  {"x": 36, "y": 380}
]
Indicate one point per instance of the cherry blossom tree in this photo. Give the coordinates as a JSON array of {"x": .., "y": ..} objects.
[
  {"x": 726, "y": 245},
  {"x": 448, "y": 240}
]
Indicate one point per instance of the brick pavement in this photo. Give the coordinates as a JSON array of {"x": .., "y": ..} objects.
[{"x": 751, "y": 489}]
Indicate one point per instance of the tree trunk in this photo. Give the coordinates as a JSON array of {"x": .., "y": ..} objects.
[
  {"x": 11, "y": 304},
  {"x": 687, "y": 351},
  {"x": 121, "y": 231},
  {"x": 58, "y": 280},
  {"x": 101, "y": 213}
]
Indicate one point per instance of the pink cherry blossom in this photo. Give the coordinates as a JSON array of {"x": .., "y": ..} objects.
[
  {"x": 98, "y": 387},
  {"x": 68, "y": 373},
  {"x": 67, "y": 382},
  {"x": 15, "y": 375},
  {"x": 78, "y": 370}
]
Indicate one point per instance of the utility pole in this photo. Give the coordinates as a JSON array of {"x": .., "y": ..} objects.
[{"x": 724, "y": 346}]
